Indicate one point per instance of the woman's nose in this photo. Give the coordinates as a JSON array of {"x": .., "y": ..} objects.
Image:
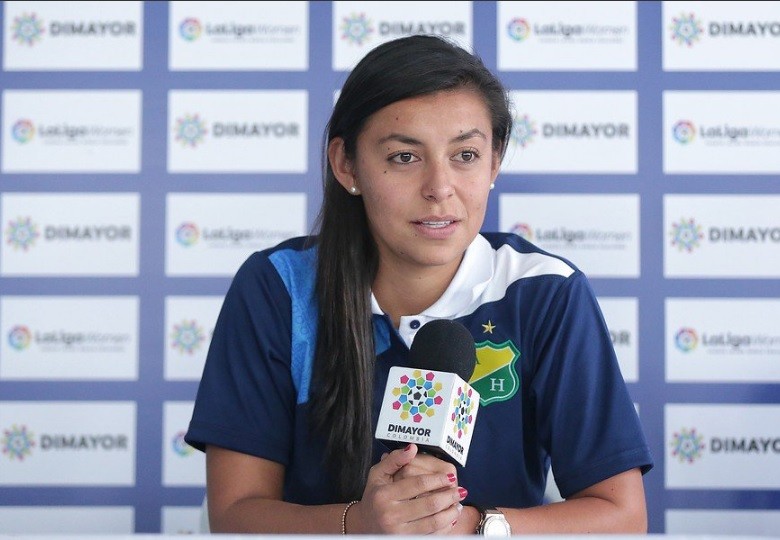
[{"x": 438, "y": 184}]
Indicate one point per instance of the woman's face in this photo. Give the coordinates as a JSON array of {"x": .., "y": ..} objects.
[{"x": 423, "y": 166}]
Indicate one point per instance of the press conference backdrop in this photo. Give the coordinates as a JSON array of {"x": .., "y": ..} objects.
[{"x": 147, "y": 148}]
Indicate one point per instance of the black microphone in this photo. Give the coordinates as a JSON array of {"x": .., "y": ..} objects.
[
  {"x": 431, "y": 404},
  {"x": 444, "y": 345}
]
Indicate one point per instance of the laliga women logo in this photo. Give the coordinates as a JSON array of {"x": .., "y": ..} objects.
[
  {"x": 190, "y": 29},
  {"x": 23, "y": 131},
  {"x": 180, "y": 447},
  {"x": 684, "y": 131},
  {"x": 686, "y": 29},
  {"x": 356, "y": 28},
  {"x": 686, "y": 235},
  {"x": 417, "y": 396},
  {"x": 17, "y": 442},
  {"x": 461, "y": 414},
  {"x": 523, "y": 230},
  {"x": 187, "y": 234},
  {"x": 19, "y": 337},
  {"x": 686, "y": 339},
  {"x": 518, "y": 29},
  {"x": 687, "y": 445},
  {"x": 27, "y": 29}
]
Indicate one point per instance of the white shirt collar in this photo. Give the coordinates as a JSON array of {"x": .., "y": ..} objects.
[{"x": 468, "y": 284}]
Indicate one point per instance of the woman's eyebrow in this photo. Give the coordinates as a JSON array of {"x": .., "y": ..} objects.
[
  {"x": 468, "y": 135},
  {"x": 406, "y": 139}
]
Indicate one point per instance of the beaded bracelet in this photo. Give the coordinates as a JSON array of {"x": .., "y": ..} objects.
[{"x": 344, "y": 517}]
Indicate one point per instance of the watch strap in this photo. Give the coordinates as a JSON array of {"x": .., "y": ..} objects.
[{"x": 485, "y": 512}]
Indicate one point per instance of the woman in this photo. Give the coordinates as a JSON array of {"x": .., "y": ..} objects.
[{"x": 309, "y": 329}]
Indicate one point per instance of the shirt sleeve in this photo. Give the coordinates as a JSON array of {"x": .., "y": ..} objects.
[
  {"x": 246, "y": 397},
  {"x": 587, "y": 421}
]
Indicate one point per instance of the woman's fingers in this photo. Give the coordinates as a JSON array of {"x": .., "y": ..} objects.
[
  {"x": 392, "y": 463},
  {"x": 425, "y": 484},
  {"x": 437, "y": 513},
  {"x": 424, "y": 464},
  {"x": 413, "y": 502}
]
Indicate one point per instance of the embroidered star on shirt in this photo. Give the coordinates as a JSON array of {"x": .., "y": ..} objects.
[{"x": 488, "y": 328}]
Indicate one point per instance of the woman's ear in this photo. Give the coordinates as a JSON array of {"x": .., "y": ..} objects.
[{"x": 341, "y": 165}]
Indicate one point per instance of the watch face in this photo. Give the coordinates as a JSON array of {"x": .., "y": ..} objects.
[{"x": 496, "y": 526}]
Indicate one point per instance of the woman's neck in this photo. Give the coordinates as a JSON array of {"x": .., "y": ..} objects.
[{"x": 401, "y": 292}]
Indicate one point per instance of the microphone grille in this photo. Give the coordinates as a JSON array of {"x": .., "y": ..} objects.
[{"x": 444, "y": 345}]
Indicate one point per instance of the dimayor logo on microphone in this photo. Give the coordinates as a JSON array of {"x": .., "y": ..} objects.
[
  {"x": 435, "y": 409},
  {"x": 417, "y": 396},
  {"x": 462, "y": 414},
  {"x": 420, "y": 395}
]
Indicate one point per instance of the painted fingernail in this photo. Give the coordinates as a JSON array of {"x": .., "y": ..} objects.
[
  {"x": 451, "y": 477},
  {"x": 463, "y": 492}
]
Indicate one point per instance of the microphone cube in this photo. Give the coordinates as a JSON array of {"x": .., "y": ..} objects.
[{"x": 433, "y": 409}]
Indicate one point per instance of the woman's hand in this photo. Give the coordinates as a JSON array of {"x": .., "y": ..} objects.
[
  {"x": 424, "y": 499},
  {"x": 423, "y": 463}
]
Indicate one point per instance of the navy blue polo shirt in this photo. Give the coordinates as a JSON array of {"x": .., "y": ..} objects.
[{"x": 550, "y": 386}]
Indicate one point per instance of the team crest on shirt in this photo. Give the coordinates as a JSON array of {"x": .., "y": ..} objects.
[{"x": 495, "y": 376}]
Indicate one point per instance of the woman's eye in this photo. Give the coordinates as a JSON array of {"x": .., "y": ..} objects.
[
  {"x": 404, "y": 157},
  {"x": 467, "y": 156}
]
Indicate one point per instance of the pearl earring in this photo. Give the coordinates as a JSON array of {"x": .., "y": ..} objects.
[
  {"x": 353, "y": 190},
  {"x": 492, "y": 185}
]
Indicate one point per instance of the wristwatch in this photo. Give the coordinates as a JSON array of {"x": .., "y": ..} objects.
[{"x": 493, "y": 523}]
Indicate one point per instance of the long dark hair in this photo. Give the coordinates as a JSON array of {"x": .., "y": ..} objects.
[{"x": 342, "y": 379}]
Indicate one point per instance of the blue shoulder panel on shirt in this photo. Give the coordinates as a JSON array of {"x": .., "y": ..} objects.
[{"x": 298, "y": 271}]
